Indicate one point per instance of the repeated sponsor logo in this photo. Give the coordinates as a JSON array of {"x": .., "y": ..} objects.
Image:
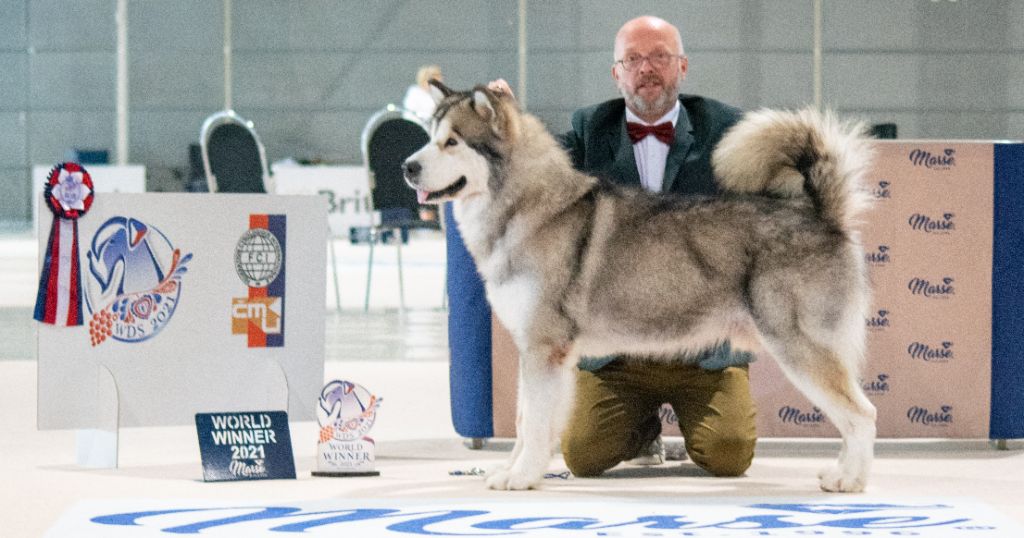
[
  {"x": 668, "y": 415},
  {"x": 362, "y": 518},
  {"x": 134, "y": 282},
  {"x": 879, "y": 321},
  {"x": 942, "y": 225},
  {"x": 933, "y": 161},
  {"x": 260, "y": 265},
  {"x": 940, "y": 418},
  {"x": 877, "y": 386},
  {"x": 942, "y": 289},
  {"x": 789, "y": 414},
  {"x": 879, "y": 257},
  {"x": 881, "y": 190},
  {"x": 942, "y": 352}
]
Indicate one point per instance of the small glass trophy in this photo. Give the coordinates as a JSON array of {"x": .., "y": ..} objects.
[{"x": 346, "y": 412}]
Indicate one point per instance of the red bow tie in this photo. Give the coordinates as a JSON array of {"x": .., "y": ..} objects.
[{"x": 665, "y": 132}]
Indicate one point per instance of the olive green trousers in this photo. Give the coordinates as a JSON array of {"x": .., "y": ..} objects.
[{"x": 616, "y": 414}]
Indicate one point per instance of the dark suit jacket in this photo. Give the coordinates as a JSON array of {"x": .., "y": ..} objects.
[{"x": 599, "y": 145}]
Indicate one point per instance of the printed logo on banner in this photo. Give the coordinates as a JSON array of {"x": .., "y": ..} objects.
[
  {"x": 879, "y": 257},
  {"x": 943, "y": 225},
  {"x": 134, "y": 281},
  {"x": 941, "y": 417},
  {"x": 362, "y": 518},
  {"x": 260, "y": 264},
  {"x": 932, "y": 290},
  {"x": 932, "y": 161},
  {"x": 877, "y": 386},
  {"x": 264, "y": 312},
  {"x": 879, "y": 321},
  {"x": 668, "y": 415},
  {"x": 794, "y": 415},
  {"x": 942, "y": 352},
  {"x": 882, "y": 190}
]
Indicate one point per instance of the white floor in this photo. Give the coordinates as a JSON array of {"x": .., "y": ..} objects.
[{"x": 418, "y": 448}]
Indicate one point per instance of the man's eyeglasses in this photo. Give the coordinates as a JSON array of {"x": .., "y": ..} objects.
[{"x": 658, "y": 60}]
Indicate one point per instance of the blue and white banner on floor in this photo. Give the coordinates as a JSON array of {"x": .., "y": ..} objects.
[{"x": 831, "y": 516}]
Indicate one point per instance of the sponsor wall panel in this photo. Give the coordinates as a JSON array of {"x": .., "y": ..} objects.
[
  {"x": 928, "y": 250},
  {"x": 928, "y": 245},
  {"x": 194, "y": 303}
]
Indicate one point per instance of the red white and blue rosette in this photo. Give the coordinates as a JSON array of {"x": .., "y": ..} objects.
[{"x": 68, "y": 194}]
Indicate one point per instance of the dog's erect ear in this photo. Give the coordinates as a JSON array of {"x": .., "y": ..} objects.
[
  {"x": 498, "y": 110},
  {"x": 438, "y": 90},
  {"x": 482, "y": 103}
]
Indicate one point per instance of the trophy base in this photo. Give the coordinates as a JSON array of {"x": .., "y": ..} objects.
[{"x": 343, "y": 474}]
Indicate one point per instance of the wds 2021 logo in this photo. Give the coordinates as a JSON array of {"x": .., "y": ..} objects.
[{"x": 134, "y": 282}]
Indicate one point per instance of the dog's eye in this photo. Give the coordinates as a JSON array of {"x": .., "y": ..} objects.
[{"x": 450, "y": 142}]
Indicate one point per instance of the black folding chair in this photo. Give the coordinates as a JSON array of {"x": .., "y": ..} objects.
[
  {"x": 389, "y": 137},
  {"x": 233, "y": 157}
]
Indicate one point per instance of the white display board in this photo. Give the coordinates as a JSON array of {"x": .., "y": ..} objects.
[
  {"x": 346, "y": 188},
  {"x": 197, "y": 335},
  {"x": 105, "y": 178}
]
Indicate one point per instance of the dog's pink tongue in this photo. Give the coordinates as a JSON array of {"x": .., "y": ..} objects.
[{"x": 421, "y": 196}]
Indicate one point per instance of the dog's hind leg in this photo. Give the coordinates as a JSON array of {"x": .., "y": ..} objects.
[
  {"x": 830, "y": 381},
  {"x": 547, "y": 382}
]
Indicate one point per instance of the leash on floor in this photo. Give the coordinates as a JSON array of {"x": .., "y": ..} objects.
[{"x": 477, "y": 471}]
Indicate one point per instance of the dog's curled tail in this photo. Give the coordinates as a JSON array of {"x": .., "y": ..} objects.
[{"x": 802, "y": 153}]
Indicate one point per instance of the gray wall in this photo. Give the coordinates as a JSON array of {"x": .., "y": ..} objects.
[{"x": 309, "y": 73}]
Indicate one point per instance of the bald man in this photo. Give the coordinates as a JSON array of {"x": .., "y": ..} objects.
[{"x": 660, "y": 140}]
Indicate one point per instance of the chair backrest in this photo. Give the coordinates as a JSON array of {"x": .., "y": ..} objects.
[
  {"x": 883, "y": 130},
  {"x": 233, "y": 157},
  {"x": 389, "y": 137}
]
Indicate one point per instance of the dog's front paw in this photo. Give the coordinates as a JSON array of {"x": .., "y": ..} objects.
[
  {"x": 509, "y": 480},
  {"x": 836, "y": 479}
]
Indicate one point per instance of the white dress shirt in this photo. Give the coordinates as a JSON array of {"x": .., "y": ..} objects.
[{"x": 651, "y": 153}]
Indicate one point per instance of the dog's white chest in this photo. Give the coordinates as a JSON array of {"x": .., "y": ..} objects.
[{"x": 514, "y": 301}]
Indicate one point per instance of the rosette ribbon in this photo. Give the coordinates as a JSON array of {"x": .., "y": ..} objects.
[{"x": 68, "y": 194}]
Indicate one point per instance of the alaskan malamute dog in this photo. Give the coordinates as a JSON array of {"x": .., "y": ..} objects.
[{"x": 575, "y": 266}]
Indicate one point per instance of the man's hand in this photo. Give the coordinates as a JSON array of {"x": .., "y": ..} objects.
[{"x": 500, "y": 86}]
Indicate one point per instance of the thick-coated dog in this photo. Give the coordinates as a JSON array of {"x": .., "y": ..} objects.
[{"x": 574, "y": 266}]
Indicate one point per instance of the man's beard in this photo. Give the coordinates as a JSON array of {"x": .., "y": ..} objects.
[{"x": 658, "y": 106}]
